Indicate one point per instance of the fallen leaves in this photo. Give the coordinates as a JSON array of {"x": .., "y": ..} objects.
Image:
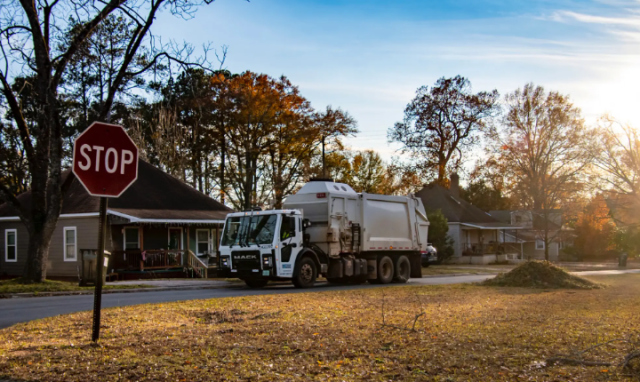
[{"x": 466, "y": 333}]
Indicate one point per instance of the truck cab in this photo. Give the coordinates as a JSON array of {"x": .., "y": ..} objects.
[{"x": 258, "y": 246}]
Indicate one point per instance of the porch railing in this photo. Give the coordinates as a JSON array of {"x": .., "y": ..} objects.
[
  {"x": 471, "y": 249},
  {"x": 147, "y": 259},
  {"x": 194, "y": 262}
]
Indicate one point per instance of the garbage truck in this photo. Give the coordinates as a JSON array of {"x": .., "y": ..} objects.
[{"x": 326, "y": 229}]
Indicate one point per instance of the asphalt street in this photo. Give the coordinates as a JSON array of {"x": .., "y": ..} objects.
[{"x": 15, "y": 310}]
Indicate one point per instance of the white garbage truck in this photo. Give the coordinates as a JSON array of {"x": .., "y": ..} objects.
[{"x": 326, "y": 229}]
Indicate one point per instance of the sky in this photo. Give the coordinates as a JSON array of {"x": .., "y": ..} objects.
[{"x": 368, "y": 57}]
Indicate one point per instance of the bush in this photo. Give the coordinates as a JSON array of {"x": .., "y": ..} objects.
[{"x": 438, "y": 237}]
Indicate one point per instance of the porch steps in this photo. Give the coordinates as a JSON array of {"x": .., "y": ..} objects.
[{"x": 199, "y": 268}]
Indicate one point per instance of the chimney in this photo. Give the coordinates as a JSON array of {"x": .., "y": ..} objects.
[{"x": 454, "y": 185}]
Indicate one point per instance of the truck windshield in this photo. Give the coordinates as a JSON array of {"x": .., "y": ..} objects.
[{"x": 249, "y": 230}]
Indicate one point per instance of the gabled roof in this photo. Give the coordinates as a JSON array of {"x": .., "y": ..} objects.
[
  {"x": 454, "y": 208},
  {"x": 537, "y": 216},
  {"x": 155, "y": 195}
]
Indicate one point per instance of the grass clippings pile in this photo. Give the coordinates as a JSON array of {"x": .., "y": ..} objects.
[{"x": 540, "y": 274}]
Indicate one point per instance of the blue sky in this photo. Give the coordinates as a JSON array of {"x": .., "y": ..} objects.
[{"x": 369, "y": 57}]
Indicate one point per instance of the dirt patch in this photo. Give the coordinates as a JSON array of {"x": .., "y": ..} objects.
[
  {"x": 220, "y": 316},
  {"x": 540, "y": 274}
]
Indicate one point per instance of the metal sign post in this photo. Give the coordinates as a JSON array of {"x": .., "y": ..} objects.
[{"x": 97, "y": 295}]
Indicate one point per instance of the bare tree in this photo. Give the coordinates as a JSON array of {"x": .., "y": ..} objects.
[
  {"x": 38, "y": 42},
  {"x": 441, "y": 123},
  {"x": 543, "y": 148},
  {"x": 617, "y": 161}
]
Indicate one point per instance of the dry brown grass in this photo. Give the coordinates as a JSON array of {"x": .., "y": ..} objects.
[{"x": 467, "y": 333}]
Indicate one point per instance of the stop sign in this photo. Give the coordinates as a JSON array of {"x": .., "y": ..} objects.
[{"x": 105, "y": 160}]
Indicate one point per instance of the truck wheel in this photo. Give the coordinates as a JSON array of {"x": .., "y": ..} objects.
[
  {"x": 385, "y": 270},
  {"x": 403, "y": 270},
  {"x": 305, "y": 274},
  {"x": 256, "y": 283}
]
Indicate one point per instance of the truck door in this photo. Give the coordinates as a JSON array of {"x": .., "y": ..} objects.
[{"x": 289, "y": 244}]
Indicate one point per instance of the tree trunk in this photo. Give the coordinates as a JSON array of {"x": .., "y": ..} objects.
[
  {"x": 546, "y": 234},
  {"x": 223, "y": 151},
  {"x": 40, "y": 235},
  {"x": 442, "y": 173}
]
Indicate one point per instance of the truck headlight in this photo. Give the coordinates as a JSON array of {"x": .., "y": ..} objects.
[
  {"x": 224, "y": 261},
  {"x": 266, "y": 261}
]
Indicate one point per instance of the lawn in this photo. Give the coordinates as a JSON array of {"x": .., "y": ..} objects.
[
  {"x": 451, "y": 269},
  {"x": 15, "y": 286},
  {"x": 462, "y": 333}
]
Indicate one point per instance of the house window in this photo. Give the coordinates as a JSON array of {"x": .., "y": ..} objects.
[
  {"x": 202, "y": 241},
  {"x": 131, "y": 238},
  {"x": 539, "y": 244},
  {"x": 10, "y": 245},
  {"x": 518, "y": 219},
  {"x": 70, "y": 252}
]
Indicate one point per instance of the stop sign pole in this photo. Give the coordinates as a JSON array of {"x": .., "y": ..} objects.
[{"x": 105, "y": 161}]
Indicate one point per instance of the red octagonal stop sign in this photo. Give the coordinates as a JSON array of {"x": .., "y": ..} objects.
[{"x": 105, "y": 160}]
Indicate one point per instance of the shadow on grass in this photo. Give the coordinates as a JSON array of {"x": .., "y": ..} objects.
[{"x": 7, "y": 378}]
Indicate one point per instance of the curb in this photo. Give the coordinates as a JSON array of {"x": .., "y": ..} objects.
[{"x": 107, "y": 291}]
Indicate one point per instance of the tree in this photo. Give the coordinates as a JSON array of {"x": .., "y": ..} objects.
[
  {"x": 40, "y": 41},
  {"x": 438, "y": 235},
  {"x": 442, "y": 123},
  {"x": 594, "y": 229},
  {"x": 618, "y": 157},
  {"x": 262, "y": 105},
  {"x": 297, "y": 139},
  {"x": 543, "y": 148},
  {"x": 485, "y": 196}
]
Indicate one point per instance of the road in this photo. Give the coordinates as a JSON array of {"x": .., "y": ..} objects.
[{"x": 15, "y": 310}]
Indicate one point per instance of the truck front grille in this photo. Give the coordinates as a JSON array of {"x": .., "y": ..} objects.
[{"x": 245, "y": 260}]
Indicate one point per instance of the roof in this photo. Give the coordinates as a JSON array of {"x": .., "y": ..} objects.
[
  {"x": 538, "y": 219},
  {"x": 497, "y": 225},
  {"x": 155, "y": 195},
  {"x": 455, "y": 209},
  {"x": 502, "y": 215}
]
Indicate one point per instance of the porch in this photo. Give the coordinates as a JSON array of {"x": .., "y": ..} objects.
[
  {"x": 156, "y": 250},
  {"x": 486, "y": 243}
]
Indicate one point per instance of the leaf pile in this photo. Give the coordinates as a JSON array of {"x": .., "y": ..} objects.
[
  {"x": 463, "y": 333},
  {"x": 540, "y": 274}
]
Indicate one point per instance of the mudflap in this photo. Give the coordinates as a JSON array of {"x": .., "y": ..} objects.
[{"x": 416, "y": 266}]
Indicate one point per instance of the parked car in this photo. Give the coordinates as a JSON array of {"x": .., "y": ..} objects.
[{"x": 430, "y": 256}]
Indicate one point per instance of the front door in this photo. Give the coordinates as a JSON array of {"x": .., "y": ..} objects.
[
  {"x": 215, "y": 240},
  {"x": 175, "y": 238}
]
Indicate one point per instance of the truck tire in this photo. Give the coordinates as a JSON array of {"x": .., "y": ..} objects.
[
  {"x": 385, "y": 271},
  {"x": 402, "y": 270},
  {"x": 253, "y": 283},
  {"x": 305, "y": 273}
]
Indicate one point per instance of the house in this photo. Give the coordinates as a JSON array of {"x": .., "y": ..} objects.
[
  {"x": 158, "y": 227},
  {"x": 531, "y": 234},
  {"x": 478, "y": 237}
]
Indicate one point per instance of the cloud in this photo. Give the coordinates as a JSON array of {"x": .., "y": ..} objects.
[{"x": 564, "y": 16}]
